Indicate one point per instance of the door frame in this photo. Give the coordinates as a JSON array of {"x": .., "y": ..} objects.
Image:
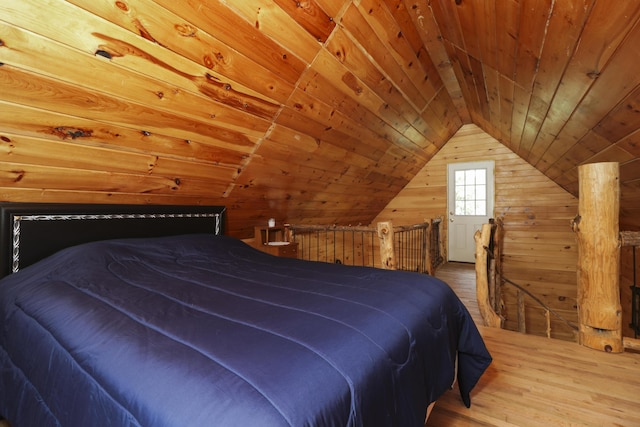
[{"x": 489, "y": 165}]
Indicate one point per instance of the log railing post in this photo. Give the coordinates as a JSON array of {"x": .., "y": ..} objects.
[
  {"x": 387, "y": 254},
  {"x": 496, "y": 289},
  {"x": 428, "y": 260},
  {"x": 489, "y": 316},
  {"x": 597, "y": 230}
]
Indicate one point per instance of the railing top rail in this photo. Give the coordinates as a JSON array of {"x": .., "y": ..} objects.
[
  {"x": 303, "y": 228},
  {"x": 630, "y": 238},
  {"x": 541, "y": 303},
  {"x": 358, "y": 228},
  {"x": 423, "y": 225}
]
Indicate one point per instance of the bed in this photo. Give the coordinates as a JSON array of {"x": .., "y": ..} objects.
[{"x": 150, "y": 316}]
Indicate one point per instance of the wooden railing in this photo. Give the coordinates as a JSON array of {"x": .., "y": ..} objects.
[
  {"x": 418, "y": 247},
  {"x": 490, "y": 279},
  {"x": 415, "y": 247},
  {"x": 548, "y": 311},
  {"x": 336, "y": 244},
  {"x": 632, "y": 239}
]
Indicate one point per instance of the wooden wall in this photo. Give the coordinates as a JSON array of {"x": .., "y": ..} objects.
[{"x": 540, "y": 250}]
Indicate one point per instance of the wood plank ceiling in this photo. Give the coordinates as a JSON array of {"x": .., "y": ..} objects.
[{"x": 315, "y": 111}]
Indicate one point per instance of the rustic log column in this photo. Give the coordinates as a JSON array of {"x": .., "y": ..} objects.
[
  {"x": 387, "y": 255},
  {"x": 495, "y": 291},
  {"x": 428, "y": 261},
  {"x": 489, "y": 316},
  {"x": 597, "y": 230}
]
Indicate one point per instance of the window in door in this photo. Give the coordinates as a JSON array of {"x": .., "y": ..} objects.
[{"x": 471, "y": 192}]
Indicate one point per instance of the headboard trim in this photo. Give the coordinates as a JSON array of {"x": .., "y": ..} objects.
[
  {"x": 17, "y": 220},
  {"x": 30, "y": 232}
]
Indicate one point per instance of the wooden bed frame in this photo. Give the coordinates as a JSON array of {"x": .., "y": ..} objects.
[{"x": 32, "y": 231}]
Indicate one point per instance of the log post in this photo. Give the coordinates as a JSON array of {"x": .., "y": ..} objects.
[
  {"x": 597, "y": 230},
  {"x": 387, "y": 254},
  {"x": 428, "y": 260},
  {"x": 498, "y": 240},
  {"x": 489, "y": 316}
]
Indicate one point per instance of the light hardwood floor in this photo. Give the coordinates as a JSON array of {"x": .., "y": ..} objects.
[{"x": 535, "y": 381}]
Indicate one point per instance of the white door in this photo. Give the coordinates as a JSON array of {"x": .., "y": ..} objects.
[{"x": 470, "y": 204}]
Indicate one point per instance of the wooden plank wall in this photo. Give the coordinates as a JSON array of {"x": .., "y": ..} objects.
[{"x": 540, "y": 250}]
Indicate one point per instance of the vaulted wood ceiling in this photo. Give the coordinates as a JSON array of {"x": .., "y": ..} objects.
[{"x": 311, "y": 111}]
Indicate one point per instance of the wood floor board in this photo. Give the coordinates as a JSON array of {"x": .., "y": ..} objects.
[{"x": 534, "y": 381}]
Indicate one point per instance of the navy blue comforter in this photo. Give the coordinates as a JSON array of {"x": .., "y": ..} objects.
[{"x": 204, "y": 330}]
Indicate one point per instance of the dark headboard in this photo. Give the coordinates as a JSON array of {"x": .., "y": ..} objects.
[{"x": 32, "y": 231}]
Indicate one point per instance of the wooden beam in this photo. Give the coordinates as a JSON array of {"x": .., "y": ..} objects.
[{"x": 597, "y": 230}]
